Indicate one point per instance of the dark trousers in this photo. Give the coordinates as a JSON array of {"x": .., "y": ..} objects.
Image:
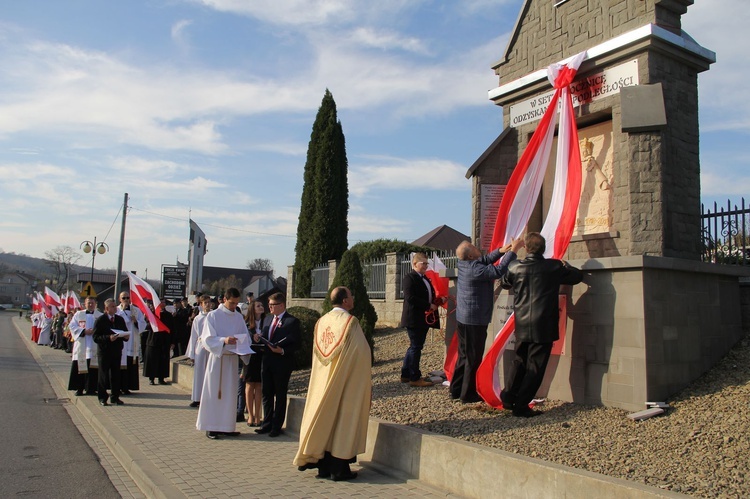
[
  {"x": 240, "y": 392},
  {"x": 410, "y": 367},
  {"x": 471, "y": 340},
  {"x": 527, "y": 372},
  {"x": 275, "y": 382},
  {"x": 130, "y": 376},
  {"x": 109, "y": 373}
]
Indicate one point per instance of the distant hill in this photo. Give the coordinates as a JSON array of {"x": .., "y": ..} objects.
[{"x": 12, "y": 262}]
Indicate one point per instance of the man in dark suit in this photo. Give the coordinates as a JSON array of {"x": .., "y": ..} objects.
[
  {"x": 110, "y": 351},
  {"x": 419, "y": 298},
  {"x": 281, "y": 334},
  {"x": 535, "y": 281}
]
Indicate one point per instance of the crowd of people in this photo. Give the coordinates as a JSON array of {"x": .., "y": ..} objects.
[{"x": 243, "y": 361}]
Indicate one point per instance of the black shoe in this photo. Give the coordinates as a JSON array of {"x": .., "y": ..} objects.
[
  {"x": 323, "y": 474},
  {"x": 262, "y": 430},
  {"x": 240, "y": 418},
  {"x": 194, "y": 404},
  {"x": 212, "y": 435},
  {"x": 151, "y": 382},
  {"x": 308, "y": 466},
  {"x": 92, "y": 394},
  {"x": 79, "y": 393},
  {"x": 117, "y": 402},
  {"x": 275, "y": 433},
  {"x": 507, "y": 404},
  {"x": 525, "y": 412},
  {"x": 126, "y": 392},
  {"x": 345, "y": 477},
  {"x": 231, "y": 433},
  {"x": 103, "y": 403},
  {"x": 162, "y": 382}
]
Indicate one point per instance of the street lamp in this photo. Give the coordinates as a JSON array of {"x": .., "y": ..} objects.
[{"x": 93, "y": 248}]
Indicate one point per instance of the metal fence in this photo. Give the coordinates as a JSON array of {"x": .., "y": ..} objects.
[
  {"x": 373, "y": 273},
  {"x": 448, "y": 258},
  {"x": 724, "y": 234},
  {"x": 319, "y": 288}
]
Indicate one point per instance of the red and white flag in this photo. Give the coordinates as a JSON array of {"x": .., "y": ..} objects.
[
  {"x": 435, "y": 265},
  {"x": 140, "y": 291},
  {"x": 52, "y": 299},
  {"x": 521, "y": 196},
  {"x": 34, "y": 304},
  {"x": 71, "y": 301},
  {"x": 43, "y": 307}
]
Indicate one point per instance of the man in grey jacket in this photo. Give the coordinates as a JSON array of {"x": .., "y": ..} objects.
[{"x": 474, "y": 294}]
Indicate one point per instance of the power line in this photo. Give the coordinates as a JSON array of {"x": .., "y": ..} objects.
[{"x": 204, "y": 224}]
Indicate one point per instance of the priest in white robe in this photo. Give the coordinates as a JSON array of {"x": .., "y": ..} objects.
[
  {"x": 131, "y": 350},
  {"x": 196, "y": 352},
  {"x": 334, "y": 423},
  {"x": 84, "y": 373},
  {"x": 224, "y": 335}
]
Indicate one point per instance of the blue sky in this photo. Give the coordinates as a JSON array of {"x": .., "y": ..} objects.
[{"x": 204, "y": 108}]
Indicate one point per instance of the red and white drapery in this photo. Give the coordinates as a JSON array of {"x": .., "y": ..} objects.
[{"x": 522, "y": 193}]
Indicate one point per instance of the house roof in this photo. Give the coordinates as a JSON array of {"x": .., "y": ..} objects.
[
  {"x": 443, "y": 238},
  {"x": 245, "y": 275}
]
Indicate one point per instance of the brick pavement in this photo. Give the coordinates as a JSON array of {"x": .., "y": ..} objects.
[{"x": 156, "y": 446}]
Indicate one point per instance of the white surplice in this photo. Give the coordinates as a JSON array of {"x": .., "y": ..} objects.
[
  {"x": 199, "y": 355},
  {"x": 84, "y": 347},
  {"x": 45, "y": 326},
  {"x": 136, "y": 322},
  {"x": 218, "y": 409}
]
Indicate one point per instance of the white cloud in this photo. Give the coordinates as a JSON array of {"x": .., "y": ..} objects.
[
  {"x": 402, "y": 174},
  {"x": 723, "y": 87},
  {"x": 387, "y": 40},
  {"x": 179, "y": 32}
]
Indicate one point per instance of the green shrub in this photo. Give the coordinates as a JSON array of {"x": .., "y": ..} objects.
[
  {"x": 349, "y": 274},
  {"x": 307, "y": 318}
]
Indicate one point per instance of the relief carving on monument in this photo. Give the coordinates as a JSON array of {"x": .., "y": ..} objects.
[{"x": 596, "y": 209}]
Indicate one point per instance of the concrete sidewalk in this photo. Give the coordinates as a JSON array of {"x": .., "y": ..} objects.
[{"x": 153, "y": 437}]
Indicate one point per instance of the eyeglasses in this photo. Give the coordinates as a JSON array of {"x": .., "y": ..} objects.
[
  {"x": 124, "y": 297},
  {"x": 274, "y": 304}
]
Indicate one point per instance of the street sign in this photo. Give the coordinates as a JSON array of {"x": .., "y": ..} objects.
[
  {"x": 174, "y": 282},
  {"x": 88, "y": 290}
]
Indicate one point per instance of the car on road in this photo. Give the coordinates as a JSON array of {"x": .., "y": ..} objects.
[{"x": 25, "y": 307}]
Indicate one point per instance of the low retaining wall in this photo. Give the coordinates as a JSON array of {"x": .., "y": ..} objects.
[{"x": 463, "y": 468}]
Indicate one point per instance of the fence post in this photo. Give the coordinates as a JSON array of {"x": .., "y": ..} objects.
[{"x": 332, "y": 266}]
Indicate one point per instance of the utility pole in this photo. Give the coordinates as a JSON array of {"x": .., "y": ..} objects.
[{"x": 122, "y": 246}]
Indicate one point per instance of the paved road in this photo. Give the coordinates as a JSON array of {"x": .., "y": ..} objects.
[
  {"x": 43, "y": 453},
  {"x": 155, "y": 439}
]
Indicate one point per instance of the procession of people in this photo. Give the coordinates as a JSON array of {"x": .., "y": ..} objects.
[{"x": 243, "y": 362}]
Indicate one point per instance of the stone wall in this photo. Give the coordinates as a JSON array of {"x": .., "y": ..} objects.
[
  {"x": 547, "y": 34},
  {"x": 388, "y": 309},
  {"x": 640, "y": 329}
]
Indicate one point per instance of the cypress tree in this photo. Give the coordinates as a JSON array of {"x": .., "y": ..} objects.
[
  {"x": 349, "y": 274},
  {"x": 323, "y": 228}
]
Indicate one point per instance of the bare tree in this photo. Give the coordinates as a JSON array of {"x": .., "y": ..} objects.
[
  {"x": 260, "y": 264},
  {"x": 61, "y": 260},
  {"x": 218, "y": 287}
]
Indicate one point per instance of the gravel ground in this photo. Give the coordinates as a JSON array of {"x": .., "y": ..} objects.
[{"x": 699, "y": 447}]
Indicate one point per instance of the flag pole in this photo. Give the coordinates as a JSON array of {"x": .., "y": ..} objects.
[{"x": 118, "y": 276}]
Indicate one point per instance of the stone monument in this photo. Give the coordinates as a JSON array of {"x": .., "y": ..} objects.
[{"x": 650, "y": 317}]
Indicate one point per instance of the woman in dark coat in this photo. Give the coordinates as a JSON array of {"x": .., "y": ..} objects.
[
  {"x": 251, "y": 372},
  {"x": 156, "y": 360}
]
